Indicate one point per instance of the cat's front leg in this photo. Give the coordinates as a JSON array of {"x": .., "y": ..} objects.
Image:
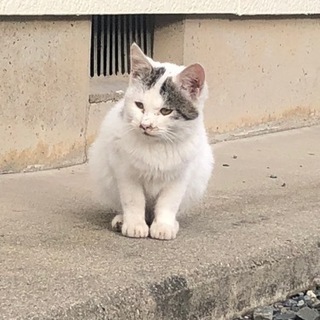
[
  {"x": 165, "y": 226},
  {"x": 133, "y": 206}
]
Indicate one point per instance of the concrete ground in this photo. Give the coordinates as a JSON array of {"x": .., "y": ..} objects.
[{"x": 255, "y": 238}]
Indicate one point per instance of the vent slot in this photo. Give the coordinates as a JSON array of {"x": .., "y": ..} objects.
[{"x": 111, "y": 38}]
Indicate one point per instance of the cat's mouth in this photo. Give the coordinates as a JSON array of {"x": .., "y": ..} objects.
[{"x": 148, "y": 134}]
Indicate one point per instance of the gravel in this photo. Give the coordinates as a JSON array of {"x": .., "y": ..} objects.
[{"x": 301, "y": 306}]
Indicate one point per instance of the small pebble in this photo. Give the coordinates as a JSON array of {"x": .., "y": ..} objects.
[
  {"x": 315, "y": 304},
  {"x": 290, "y": 303},
  {"x": 283, "y": 185},
  {"x": 278, "y": 305},
  {"x": 311, "y": 294},
  {"x": 225, "y": 165},
  {"x": 272, "y": 176},
  {"x": 235, "y": 157},
  {"x": 307, "y": 313},
  {"x": 285, "y": 316},
  {"x": 295, "y": 308},
  {"x": 300, "y": 303},
  {"x": 307, "y": 300}
]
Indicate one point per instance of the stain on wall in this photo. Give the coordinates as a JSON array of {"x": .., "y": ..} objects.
[{"x": 44, "y": 91}]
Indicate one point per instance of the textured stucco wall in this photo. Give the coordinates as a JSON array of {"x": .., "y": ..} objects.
[
  {"x": 239, "y": 7},
  {"x": 43, "y": 92},
  {"x": 258, "y": 70},
  {"x": 169, "y": 38}
]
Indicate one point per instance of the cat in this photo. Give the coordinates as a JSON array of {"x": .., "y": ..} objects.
[{"x": 151, "y": 158}]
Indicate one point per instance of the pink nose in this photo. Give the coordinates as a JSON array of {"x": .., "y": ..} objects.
[{"x": 145, "y": 126}]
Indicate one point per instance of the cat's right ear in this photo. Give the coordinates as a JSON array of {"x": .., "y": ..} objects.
[
  {"x": 192, "y": 80},
  {"x": 140, "y": 65}
]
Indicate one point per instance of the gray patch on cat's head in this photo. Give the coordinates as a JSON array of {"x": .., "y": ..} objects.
[
  {"x": 175, "y": 100},
  {"x": 150, "y": 77}
]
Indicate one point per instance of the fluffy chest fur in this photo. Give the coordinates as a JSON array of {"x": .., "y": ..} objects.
[{"x": 148, "y": 157}]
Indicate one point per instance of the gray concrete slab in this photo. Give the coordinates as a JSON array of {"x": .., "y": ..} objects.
[{"x": 252, "y": 239}]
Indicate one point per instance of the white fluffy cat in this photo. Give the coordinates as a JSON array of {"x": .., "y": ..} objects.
[{"x": 152, "y": 158}]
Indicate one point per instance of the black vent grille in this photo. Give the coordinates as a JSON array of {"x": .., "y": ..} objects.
[{"x": 111, "y": 37}]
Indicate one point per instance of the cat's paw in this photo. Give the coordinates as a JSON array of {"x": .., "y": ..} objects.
[
  {"x": 117, "y": 222},
  {"x": 135, "y": 230},
  {"x": 164, "y": 231}
]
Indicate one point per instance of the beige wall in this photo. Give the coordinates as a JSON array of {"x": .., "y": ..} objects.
[
  {"x": 258, "y": 70},
  {"x": 169, "y": 38},
  {"x": 43, "y": 92},
  {"x": 239, "y": 7}
]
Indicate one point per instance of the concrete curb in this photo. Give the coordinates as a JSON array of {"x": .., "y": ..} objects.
[{"x": 211, "y": 292}]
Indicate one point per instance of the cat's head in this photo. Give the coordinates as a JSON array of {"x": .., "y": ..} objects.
[{"x": 164, "y": 100}]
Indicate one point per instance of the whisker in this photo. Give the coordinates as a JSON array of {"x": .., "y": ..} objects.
[
  {"x": 167, "y": 138},
  {"x": 128, "y": 130},
  {"x": 167, "y": 135}
]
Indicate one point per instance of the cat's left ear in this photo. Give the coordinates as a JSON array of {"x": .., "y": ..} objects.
[
  {"x": 192, "y": 80},
  {"x": 140, "y": 65}
]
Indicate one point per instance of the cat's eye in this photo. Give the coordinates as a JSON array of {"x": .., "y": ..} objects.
[
  {"x": 165, "y": 111},
  {"x": 139, "y": 105}
]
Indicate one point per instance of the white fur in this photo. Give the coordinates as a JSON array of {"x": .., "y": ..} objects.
[{"x": 171, "y": 168}]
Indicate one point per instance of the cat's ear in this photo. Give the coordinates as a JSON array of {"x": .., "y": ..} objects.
[
  {"x": 192, "y": 80},
  {"x": 140, "y": 65}
]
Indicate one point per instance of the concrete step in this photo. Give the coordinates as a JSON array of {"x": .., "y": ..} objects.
[{"x": 253, "y": 239}]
